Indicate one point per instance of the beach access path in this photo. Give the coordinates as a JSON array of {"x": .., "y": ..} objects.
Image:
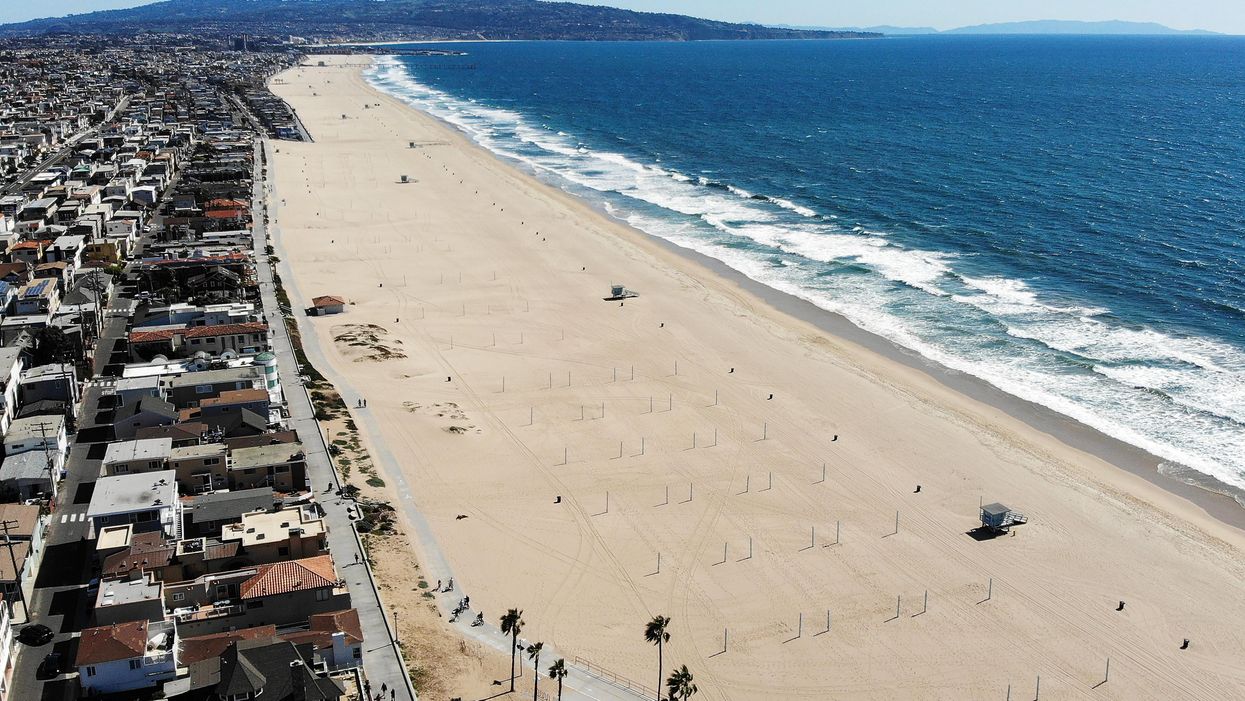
[
  {"x": 552, "y": 441},
  {"x": 381, "y": 660}
]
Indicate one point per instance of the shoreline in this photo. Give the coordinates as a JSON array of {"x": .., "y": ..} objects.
[
  {"x": 1216, "y": 498},
  {"x": 484, "y": 457}
]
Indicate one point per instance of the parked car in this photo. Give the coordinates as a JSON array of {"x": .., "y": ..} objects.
[
  {"x": 36, "y": 634},
  {"x": 50, "y": 666}
]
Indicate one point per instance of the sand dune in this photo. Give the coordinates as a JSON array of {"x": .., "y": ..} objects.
[{"x": 481, "y": 274}]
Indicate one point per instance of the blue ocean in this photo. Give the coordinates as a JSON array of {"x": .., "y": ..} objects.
[{"x": 1062, "y": 217}]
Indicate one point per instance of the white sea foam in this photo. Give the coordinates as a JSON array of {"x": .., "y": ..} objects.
[
  {"x": 1179, "y": 397},
  {"x": 798, "y": 209}
]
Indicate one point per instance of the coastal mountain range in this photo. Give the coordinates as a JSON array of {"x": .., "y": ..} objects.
[
  {"x": 412, "y": 20},
  {"x": 1046, "y": 26}
]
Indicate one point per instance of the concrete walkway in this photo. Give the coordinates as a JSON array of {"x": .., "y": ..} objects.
[
  {"x": 382, "y": 661},
  {"x": 580, "y": 684}
]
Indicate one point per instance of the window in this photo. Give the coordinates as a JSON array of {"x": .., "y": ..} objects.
[
  {"x": 178, "y": 596},
  {"x": 283, "y": 551},
  {"x": 282, "y": 468},
  {"x": 211, "y": 461},
  {"x": 90, "y": 671},
  {"x": 120, "y": 469},
  {"x": 195, "y": 341},
  {"x": 136, "y": 664},
  {"x": 322, "y": 595}
]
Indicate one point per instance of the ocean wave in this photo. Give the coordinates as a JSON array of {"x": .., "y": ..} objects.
[{"x": 1181, "y": 398}]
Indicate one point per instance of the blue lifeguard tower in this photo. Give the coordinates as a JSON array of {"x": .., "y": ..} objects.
[{"x": 999, "y": 518}]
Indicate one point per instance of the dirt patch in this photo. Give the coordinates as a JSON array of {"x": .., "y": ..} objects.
[
  {"x": 452, "y": 418},
  {"x": 442, "y": 665},
  {"x": 366, "y": 343}
]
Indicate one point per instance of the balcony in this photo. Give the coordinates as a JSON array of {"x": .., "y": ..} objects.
[{"x": 208, "y": 613}]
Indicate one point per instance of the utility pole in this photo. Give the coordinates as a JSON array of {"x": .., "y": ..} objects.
[
  {"x": 47, "y": 454},
  {"x": 17, "y": 574}
]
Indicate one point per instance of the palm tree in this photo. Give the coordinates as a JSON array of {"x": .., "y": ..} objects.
[
  {"x": 511, "y": 624},
  {"x": 680, "y": 684},
  {"x": 655, "y": 633},
  {"x": 557, "y": 672},
  {"x": 533, "y": 654}
]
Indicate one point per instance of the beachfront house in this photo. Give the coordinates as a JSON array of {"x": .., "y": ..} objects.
[
  {"x": 336, "y": 639},
  {"x": 208, "y": 514},
  {"x": 281, "y": 594},
  {"x": 236, "y": 339}
]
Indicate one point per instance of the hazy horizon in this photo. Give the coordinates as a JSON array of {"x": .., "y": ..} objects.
[{"x": 1212, "y": 15}]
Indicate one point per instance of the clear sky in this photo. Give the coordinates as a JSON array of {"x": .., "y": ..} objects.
[{"x": 1226, "y": 16}]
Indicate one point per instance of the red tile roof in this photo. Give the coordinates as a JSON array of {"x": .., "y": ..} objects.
[
  {"x": 111, "y": 643},
  {"x": 327, "y": 301},
  {"x": 198, "y": 332},
  {"x": 284, "y": 577},
  {"x": 153, "y": 336},
  {"x": 226, "y": 329},
  {"x": 232, "y": 213}
]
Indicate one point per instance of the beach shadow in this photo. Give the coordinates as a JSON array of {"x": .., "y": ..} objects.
[{"x": 983, "y": 534}]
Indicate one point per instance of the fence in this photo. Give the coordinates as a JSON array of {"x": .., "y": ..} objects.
[{"x": 616, "y": 679}]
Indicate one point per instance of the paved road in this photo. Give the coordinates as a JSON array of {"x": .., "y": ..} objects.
[
  {"x": 60, "y": 600},
  {"x": 382, "y": 662},
  {"x": 579, "y": 683}
]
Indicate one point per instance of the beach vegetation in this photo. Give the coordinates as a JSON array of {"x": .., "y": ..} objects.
[
  {"x": 680, "y": 684},
  {"x": 533, "y": 654},
  {"x": 557, "y": 672},
  {"x": 512, "y": 624},
  {"x": 655, "y": 632}
]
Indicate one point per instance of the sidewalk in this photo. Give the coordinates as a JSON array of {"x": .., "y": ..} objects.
[
  {"x": 382, "y": 662},
  {"x": 579, "y": 684}
]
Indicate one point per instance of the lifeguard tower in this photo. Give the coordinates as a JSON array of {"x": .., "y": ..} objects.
[{"x": 998, "y": 518}]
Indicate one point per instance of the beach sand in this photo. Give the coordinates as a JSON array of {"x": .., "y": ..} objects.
[{"x": 481, "y": 274}]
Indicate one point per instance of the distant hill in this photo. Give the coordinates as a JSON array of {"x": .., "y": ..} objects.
[
  {"x": 880, "y": 29},
  {"x": 411, "y": 19},
  {"x": 1050, "y": 26},
  {"x": 1053, "y": 26}
]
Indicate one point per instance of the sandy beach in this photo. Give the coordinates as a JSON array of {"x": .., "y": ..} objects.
[{"x": 690, "y": 433}]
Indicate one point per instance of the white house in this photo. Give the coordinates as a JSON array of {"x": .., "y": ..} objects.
[
  {"x": 42, "y": 433},
  {"x": 147, "y": 500},
  {"x": 127, "y": 656},
  {"x": 11, "y": 365},
  {"x": 6, "y": 650}
]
